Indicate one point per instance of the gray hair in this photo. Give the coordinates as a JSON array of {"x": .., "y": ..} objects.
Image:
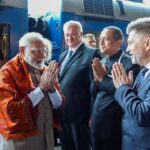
[
  {"x": 117, "y": 33},
  {"x": 29, "y": 38},
  {"x": 48, "y": 45},
  {"x": 89, "y": 35},
  {"x": 139, "y": 25},
  {"x": 72, "y": 23}
]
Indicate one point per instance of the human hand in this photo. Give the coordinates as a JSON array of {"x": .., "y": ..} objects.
[
  {"x": 48, "y": 77},
  {"x": 99, "y": 71},
  {"x": 119, "y": 75}
]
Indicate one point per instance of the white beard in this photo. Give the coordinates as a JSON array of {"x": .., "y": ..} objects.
[{"x": 38, "y": 66}]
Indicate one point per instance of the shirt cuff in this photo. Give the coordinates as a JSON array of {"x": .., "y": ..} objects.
[
  {"x": 56, "y": 99},
  {"x": 36, "y": 96}
]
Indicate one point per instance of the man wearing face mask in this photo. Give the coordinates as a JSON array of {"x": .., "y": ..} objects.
[{"x": 28, "y": 92}]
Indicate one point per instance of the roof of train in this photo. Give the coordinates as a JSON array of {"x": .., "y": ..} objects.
[{"x": 113, "y": 9}]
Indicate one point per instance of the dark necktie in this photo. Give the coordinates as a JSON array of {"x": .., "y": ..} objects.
[{"x": 68, "y": 57}]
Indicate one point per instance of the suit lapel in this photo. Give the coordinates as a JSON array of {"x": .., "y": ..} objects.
[
  {"x": 74, "y": 58},
  {"x": 145, "y": 81},
  {"x": 62, "y": 57},
  {"x": 138, "y": 86}
]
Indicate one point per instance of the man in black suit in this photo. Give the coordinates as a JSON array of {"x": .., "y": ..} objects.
[
  {"x": 135, "y": 99},
  {"x": 75, "y": 77},
  {"x": 107, "y": 114}
]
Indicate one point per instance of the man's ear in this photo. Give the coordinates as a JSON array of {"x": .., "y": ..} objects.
[
  {"x": 119, "y": 42},
  {"x": 147, "y": 44},
  {"x": 81, "y": 33},
  {"x": 22, "y": 50}
]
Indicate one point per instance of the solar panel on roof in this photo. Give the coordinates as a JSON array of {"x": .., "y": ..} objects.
[{"x": 104, "y": 7}]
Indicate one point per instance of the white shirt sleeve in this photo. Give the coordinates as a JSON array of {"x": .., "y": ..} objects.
[
  {"x": 36, "y": 96},
  {"x": 56, "y": 99}
]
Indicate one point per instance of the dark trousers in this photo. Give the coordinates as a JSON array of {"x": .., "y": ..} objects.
[
  {"x": 104, "y": 144},
  {"x": 75, "y": 137},
  {"x": 128, "y": 144},
  {"x": 56, "y": 136}
]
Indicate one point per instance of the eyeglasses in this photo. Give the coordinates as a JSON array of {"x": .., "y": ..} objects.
[{"x": 71, "y": 34}]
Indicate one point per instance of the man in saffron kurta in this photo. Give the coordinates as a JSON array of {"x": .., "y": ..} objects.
[{"x": 28, "y": 92}]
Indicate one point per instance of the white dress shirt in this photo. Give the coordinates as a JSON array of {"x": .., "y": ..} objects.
[{"x": 37, "y": 95}]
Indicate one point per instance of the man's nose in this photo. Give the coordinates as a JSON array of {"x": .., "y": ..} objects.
[
  {"x": 101, "y": 42},
  {"x": 41, "y": 54}
]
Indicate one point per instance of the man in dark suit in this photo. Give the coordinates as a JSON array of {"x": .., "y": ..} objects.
[
  {"x": 107, "y": 114},
  {"x": 75, "y": 77},
  {"x": 135, "y": 99}
]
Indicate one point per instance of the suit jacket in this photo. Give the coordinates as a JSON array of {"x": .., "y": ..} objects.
[
  {"x": 107, "y": 114},
  {"x": 75, "y": 83},
  {"x": 136, "y": 121}
]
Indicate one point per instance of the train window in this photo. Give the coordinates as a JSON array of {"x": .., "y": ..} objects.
[{"x": 4, "y": 43}]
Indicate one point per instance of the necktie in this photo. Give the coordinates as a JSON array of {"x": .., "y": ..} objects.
[{"x": 68, "y": 57}]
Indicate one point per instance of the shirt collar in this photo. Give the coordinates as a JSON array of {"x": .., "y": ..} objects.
[
  {"x": 75, "y": 48},
  {"x": 148, "y": 66},
  {"x": 115, "y": 56}
]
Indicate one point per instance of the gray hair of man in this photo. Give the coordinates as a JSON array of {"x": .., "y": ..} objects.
[
  {"x": 140, "y": 25},
  {"x": 48, "y": 45},
  {"x": 88, "y": 35},
  {"x": 117, "y": 35},
  {"x": 33, "y": 37},
  {"x": 30, "y": 37},
  {"x": 72, "y": 23}
]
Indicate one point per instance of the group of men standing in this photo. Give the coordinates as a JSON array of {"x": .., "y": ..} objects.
[{"x": 92, "y": 94}]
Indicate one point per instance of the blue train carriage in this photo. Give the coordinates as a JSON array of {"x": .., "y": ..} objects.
[
  {"x": 13, "y": 24},
  {"x": 94, "y": 15}
]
